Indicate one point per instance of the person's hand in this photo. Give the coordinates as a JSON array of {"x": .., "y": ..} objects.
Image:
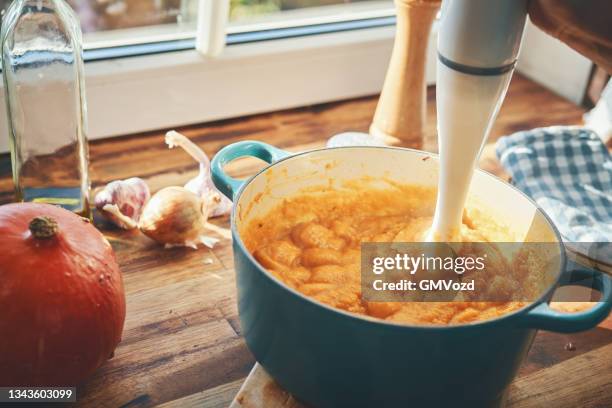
[{"x": 586, "y": 26}]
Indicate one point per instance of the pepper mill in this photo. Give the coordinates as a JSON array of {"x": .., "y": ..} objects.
[{"x": 401, "y": 113}]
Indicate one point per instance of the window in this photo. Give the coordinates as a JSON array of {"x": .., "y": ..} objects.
[
  {"x": 113, "y": 23},
  {"x": 107, "y": 23}
]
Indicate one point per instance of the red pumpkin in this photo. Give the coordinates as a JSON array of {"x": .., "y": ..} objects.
[{"x": 62, "y": 304}]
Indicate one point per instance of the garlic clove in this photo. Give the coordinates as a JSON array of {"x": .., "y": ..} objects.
[{"x": 202, "y": 184}]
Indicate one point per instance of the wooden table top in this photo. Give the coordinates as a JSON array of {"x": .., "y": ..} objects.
[{"x": 182, "y": 344}]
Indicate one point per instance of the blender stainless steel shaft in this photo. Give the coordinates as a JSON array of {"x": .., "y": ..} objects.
[{"x": 478, "y": 45}]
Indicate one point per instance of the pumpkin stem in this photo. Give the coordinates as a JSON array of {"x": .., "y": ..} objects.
[{"x": 43, "y": 227}]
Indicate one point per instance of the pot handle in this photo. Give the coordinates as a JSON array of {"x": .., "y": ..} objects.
[
  {"x": 545, "y": 318},
  {"x": 229, "y": 186}
]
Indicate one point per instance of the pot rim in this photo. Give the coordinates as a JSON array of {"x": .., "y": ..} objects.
[{"x": 505, "y": 318}]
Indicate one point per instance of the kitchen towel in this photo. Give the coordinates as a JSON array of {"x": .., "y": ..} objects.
[{"x": 567, "y": 171}]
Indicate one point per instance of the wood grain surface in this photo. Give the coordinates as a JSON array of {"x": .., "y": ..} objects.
[
  {"x": 560, "y": 385},
  {"x": 182, "y": 344}
]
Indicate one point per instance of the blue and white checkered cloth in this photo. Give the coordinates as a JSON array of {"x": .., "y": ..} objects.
[{"x": 568, "y": 172}]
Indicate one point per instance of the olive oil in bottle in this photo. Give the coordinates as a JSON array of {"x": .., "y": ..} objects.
[{"x": 42, "y": 68}]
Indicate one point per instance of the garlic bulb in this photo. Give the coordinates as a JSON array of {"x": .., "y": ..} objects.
[
  {"x": 202, "y": 184},
  {"x": 122, "y": 201},
  {"x": 175, "y": 216}
]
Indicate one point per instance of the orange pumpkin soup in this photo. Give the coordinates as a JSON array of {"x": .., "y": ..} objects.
[{"x": 311, "y": 242}]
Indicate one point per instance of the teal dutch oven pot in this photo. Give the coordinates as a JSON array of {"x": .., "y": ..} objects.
[{"x": 330, "y": 358}]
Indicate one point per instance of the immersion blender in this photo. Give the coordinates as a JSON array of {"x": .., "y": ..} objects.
[{"x": 478, "y": 44}]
